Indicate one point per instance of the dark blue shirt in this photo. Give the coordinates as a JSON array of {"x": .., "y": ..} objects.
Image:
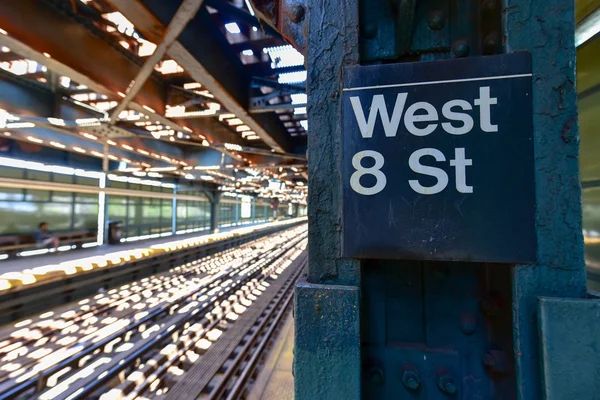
[{"x": 40, "y": 235}]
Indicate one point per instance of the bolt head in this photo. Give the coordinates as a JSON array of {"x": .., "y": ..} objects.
[
  {"x": 297, "y": 13},
  {"x": 412, "y": 383},
  {"x": 446, "y": 384},
  {"x": 410, "y": 379},
  {"x": 436, "y": 20},
  {"x": 490, "y": 42},
  {"x": 489, "y": 5},
  {"x": 461, "y": 48},
  {"x": 450, "y": 388},
  {"x": 489, "y": 360}
]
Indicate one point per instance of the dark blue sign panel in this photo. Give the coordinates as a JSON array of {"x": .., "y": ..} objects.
[{"x": 438, "y": 160}]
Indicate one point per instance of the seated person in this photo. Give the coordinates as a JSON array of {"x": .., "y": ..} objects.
[{"x": 43, "y": 238}]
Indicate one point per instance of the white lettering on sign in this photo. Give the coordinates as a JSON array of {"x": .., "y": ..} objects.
[
  {"x": 465, "y": 118},
  {"x": 375, "y": 170},
  {"x": 420, "y": 119},
  {"x": 414, "y": 162},
  {"x": 378, "y": 106}
]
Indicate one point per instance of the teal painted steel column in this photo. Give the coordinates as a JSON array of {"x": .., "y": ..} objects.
[
  {"x": 174, "y": 212},
  {"x": 380, "y": 329},
  {"x": 237, "y": 210},
  {"x": 546, "y": 29},
  {"x": 214, "y": 212},
  {"x": 327, "y": 362}
]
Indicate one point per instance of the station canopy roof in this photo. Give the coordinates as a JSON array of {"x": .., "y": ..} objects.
[{"x": 193, "y": 90}]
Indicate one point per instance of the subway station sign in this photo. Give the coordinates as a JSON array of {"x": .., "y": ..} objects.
[{"x": 438, "y": 160}]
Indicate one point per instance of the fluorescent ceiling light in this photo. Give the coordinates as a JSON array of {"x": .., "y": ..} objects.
[
  {"x": 588, "y": 28},
  {"x": 249, "y": 7},
  {"x": 232, "y": 27},
  {"x": 299, "y": 98},
  {"x": 284, "y": 56},
  {"x": 192, "y": 85},
  {"x": 18, "y": 125},
  {"x": 231, "y": 146},
  {"x": 292, "y": 77}
]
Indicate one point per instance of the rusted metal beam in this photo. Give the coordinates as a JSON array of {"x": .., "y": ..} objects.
[
  {"x": 286, "y": 17},
  {"x": 34, "y": 103},
  {"x": 184, "y": 14},
  {"x": 35, "y": 28},
  {"x": 45, "y": 30},
  {"x": 231, "y": 89}
]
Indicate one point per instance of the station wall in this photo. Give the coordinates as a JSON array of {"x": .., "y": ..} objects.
[
  {"x": 588, "y": 89},
  {"x": 23, "y": 207},
  {"x": 21, "y": 210}
]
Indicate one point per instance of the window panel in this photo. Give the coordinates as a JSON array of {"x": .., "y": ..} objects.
[
  {"x": 38, "y": 175},
  {"x": 62, "y": 197},
  {"x": 37, "y": 195},
  {"x": 8, "y": 172},
  {"x": 57, "y": 216},
  {"x": 86, "y": 217},
  {"x": 19, "y": 217},
  {"x": 81, "y": 180},
  {"x": 60, "y": 178},
  {"x": 86, "y": 197},
  {"x": 11, "y": 194},
  {"x": 118, "y": 185}
]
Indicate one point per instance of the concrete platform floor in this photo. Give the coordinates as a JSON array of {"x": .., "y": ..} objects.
[
  {"x": 22, "y": 263},
  {"x": 275, "y": 381}
]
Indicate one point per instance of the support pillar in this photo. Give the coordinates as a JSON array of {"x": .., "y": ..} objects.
[
  {"x": 214, "y": 212},
  {"x": 546, "y": 29},
  {"x": 327, "y": 360},
  {"x": 237, "y": 210},
  {"x": 396, "y": 327},
  {"x": 174, "y": 212}
]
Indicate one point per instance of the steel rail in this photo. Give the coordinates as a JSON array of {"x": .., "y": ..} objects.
[
  {"x": 251, "y": 364},
  {"x": 23, "y": 300},
  {"x": 106, "y": 376},
  {"x": 139, "y": 389},
  {"x": 244, "y": 352},
  {"x": 74, "y": 359},
  {"x": 98, "y": 308}
]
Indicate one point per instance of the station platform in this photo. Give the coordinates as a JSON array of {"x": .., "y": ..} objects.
[
  {"x": 23, "y": 263},
  {"x": 29, "y": 270},
  {"x": 276, "y": 380}
]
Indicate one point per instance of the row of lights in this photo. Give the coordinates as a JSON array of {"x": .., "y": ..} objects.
[
  {"x": 30, "y": 276},
  {"x": 125, "y": 24}
]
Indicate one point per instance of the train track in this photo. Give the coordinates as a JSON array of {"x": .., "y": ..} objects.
[
  {"x": 55, "y": 290},
  {"x": 128, "y": 342},
  {"x": 230, "y": 366},
  {"x": 246, "y": 360}
]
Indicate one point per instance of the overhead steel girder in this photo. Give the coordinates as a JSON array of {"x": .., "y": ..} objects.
[
  {"x": 240, "y": 15},
  {"x": 33, "y": 100},
  {"x": 206, "y": 55},
  {"x": 36, "y": 24},
  {"x": 35, "y": 28},
  {"x": 285, "y": 16},
  {"x": 184, "y": 14}
]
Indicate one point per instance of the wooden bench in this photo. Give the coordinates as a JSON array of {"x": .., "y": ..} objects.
[{"x": 12, "y": 244}]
